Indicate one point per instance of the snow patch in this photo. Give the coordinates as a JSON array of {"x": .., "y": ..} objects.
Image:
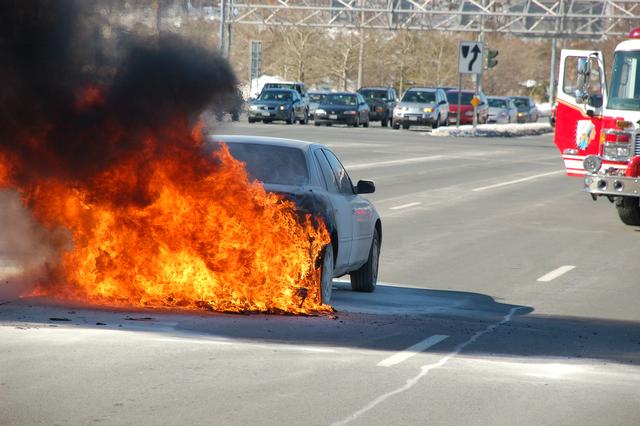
[{"x": 495, "y": 130}]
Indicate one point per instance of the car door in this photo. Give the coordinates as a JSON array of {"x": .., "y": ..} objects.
[
  {"x": 578, "y": 124},
  {"x": 341, "y": 205},
  {"x": 360, "y": 212}
]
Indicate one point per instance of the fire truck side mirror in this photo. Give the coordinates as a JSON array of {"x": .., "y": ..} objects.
[{"x": 581, "y": 96}]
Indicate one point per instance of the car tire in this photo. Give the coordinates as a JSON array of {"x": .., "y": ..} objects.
[
  {"x": 326, "y": 275},
  {"x": 267, "y": 121},
  {"x": 292, "y": 118},
  {"x": 365, "y": 278},
  {"x": 365, "y": 124},
  {"x": 629, "y": 210},
  {"x": 385, "y": 121},
  {"x": 251, "y": 120},
  {"x": 317, "y": 124},
  {"x": 436, "y": 123},
  {"x": 405, "y": 126},
  {"x": 357, "y": 122},
  {"x": 395, "y": 126}
]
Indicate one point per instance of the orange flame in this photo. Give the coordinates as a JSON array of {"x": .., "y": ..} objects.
[{"x": 213, "y": 240}]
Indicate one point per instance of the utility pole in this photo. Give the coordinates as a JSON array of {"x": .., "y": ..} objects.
[
  {"x": 361, "y": 51},
  {"x": 552, "y": 73},
  {"x": 227, "y": 51},
  {"x": 223, "y": 12}
]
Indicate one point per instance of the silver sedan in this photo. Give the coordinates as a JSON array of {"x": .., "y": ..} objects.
[{"x": 311, "y": 175}]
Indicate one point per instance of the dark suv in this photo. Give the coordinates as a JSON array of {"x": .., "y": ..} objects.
[{"x": 381, "y": 101}]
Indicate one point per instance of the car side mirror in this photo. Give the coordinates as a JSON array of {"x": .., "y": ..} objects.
[{"x": 365, "y": 187}]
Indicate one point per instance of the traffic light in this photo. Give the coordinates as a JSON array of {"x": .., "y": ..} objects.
[{"x": 491, "y": 58}]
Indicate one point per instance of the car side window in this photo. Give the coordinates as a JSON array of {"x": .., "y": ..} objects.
[
  {"x": 325, "y": 168},
  {"x": 341, "y": 175}
]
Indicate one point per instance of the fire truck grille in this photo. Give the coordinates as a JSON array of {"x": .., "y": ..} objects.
[{"x": 636, "y": 149}]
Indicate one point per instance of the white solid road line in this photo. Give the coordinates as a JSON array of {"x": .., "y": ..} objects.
[
  {"x": 555, "y": 273},
  {"x": 512, "y": 182},
  {"x": 394, "y": 162},
  {"x": 412, "y": 351},
  {"x": 405, "y": 206}
]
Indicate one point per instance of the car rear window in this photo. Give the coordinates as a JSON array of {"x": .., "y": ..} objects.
[
  {"x": 271, "y": 164},
  {"x": 465, "y": 99},
  {"x": 425, "y": 97},
  {"x": 317, "y": 97}
]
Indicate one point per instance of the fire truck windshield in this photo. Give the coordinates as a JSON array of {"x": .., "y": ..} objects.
[{"x": 624, "y": 92}]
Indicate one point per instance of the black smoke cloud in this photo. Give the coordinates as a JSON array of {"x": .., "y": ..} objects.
[{"x": 51, "y": 52}]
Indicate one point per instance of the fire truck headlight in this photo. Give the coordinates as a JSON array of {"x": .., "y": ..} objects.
[
  {"x": 592, "y": 163},
  {"x": 616, "y": 152}
]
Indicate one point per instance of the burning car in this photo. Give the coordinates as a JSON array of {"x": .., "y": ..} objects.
[{"x": 310, "y": 175}]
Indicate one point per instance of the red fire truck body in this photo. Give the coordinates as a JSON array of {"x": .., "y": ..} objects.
[{"x": 598, "y": 124}]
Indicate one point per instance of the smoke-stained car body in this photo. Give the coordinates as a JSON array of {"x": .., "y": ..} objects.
[
  {"x": 278, "y": 104},
  {"x": 342, "y": 108},
  {"x": 311, "y": 175}
]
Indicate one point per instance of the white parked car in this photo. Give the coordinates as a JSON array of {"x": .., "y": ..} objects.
[
  {"x": 502, "y": 110},
  {"x": 312, "y": 176}
]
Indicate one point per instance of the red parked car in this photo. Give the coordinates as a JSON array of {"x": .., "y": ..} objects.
[{"x": 466, "y": 109}]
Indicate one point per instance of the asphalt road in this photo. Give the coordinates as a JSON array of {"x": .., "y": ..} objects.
[{"x": 508, "y": 297}]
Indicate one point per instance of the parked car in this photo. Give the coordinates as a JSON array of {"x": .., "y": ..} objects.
[
  {"x": 421, "y": 106},
  {"x": 342, "y": 108},
  {"x": 466, "y": 109},
  {"x": 502, "y": 110},
  {"x": 527, "y": 111},
  {"x": 381, "y": 101},
  {"x": 298, "y": 86},
  {"x": 315, "y": 99},
  {"x": 278, "y": 104},
  {"x": 312, "y": 176}
]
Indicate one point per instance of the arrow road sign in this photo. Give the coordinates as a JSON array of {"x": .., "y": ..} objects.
[{"x": 470, "y": 58}]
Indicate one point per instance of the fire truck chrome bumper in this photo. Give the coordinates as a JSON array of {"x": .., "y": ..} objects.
[{"x": 612, "y": 185}]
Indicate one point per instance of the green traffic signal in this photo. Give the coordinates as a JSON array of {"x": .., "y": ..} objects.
[{"x": 491, "y": 58}]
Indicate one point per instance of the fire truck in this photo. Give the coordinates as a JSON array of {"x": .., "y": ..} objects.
[{"x": 598, "y": 125}]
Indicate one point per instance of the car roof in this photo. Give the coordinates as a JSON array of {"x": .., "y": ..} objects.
[
  {"x": 520, "y": 97},
  {"x": 278, "y": 89},
  {"x": 503, "y": 98},
  {"x": 319, "y": 92},
  {"x": 433, "y": 89},
  {"x": 264, "y": 140},
  {"x": 461, "y": 91},
  {"x": 284, "y": 82},
  {"x": 344, "y": 93},
  {"x": 375, "y": 88}
]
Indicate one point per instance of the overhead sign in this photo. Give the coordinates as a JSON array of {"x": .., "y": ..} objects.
[
  {"x": 255, "y": 60},
  {"x": 470, "y": 59}
]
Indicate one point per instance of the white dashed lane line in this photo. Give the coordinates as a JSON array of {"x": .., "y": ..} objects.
[
  {"x": 412, "y": 351},
  {"x": 405, "y": 206},
  {"x": 555, "y": 273}
]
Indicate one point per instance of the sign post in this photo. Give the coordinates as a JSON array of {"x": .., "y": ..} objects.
[
  {"x": 470, "y": 61},
  {"x": 255, "y": 63}
]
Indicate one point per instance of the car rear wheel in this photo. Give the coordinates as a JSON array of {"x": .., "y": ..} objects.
[
  {"x": 365, "y": 124},
  {"x": 317, "y": 124},
  {"x": 251, "y": 120},
  {"x": 326, "y": 278},
  {"x": 629, "y": 210},
  {"x": 395, "y": 126},
  {"x": 385, "y": 121},
  {"x": 365, "y": 278},
  {"x": 405, "y": 126}
]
